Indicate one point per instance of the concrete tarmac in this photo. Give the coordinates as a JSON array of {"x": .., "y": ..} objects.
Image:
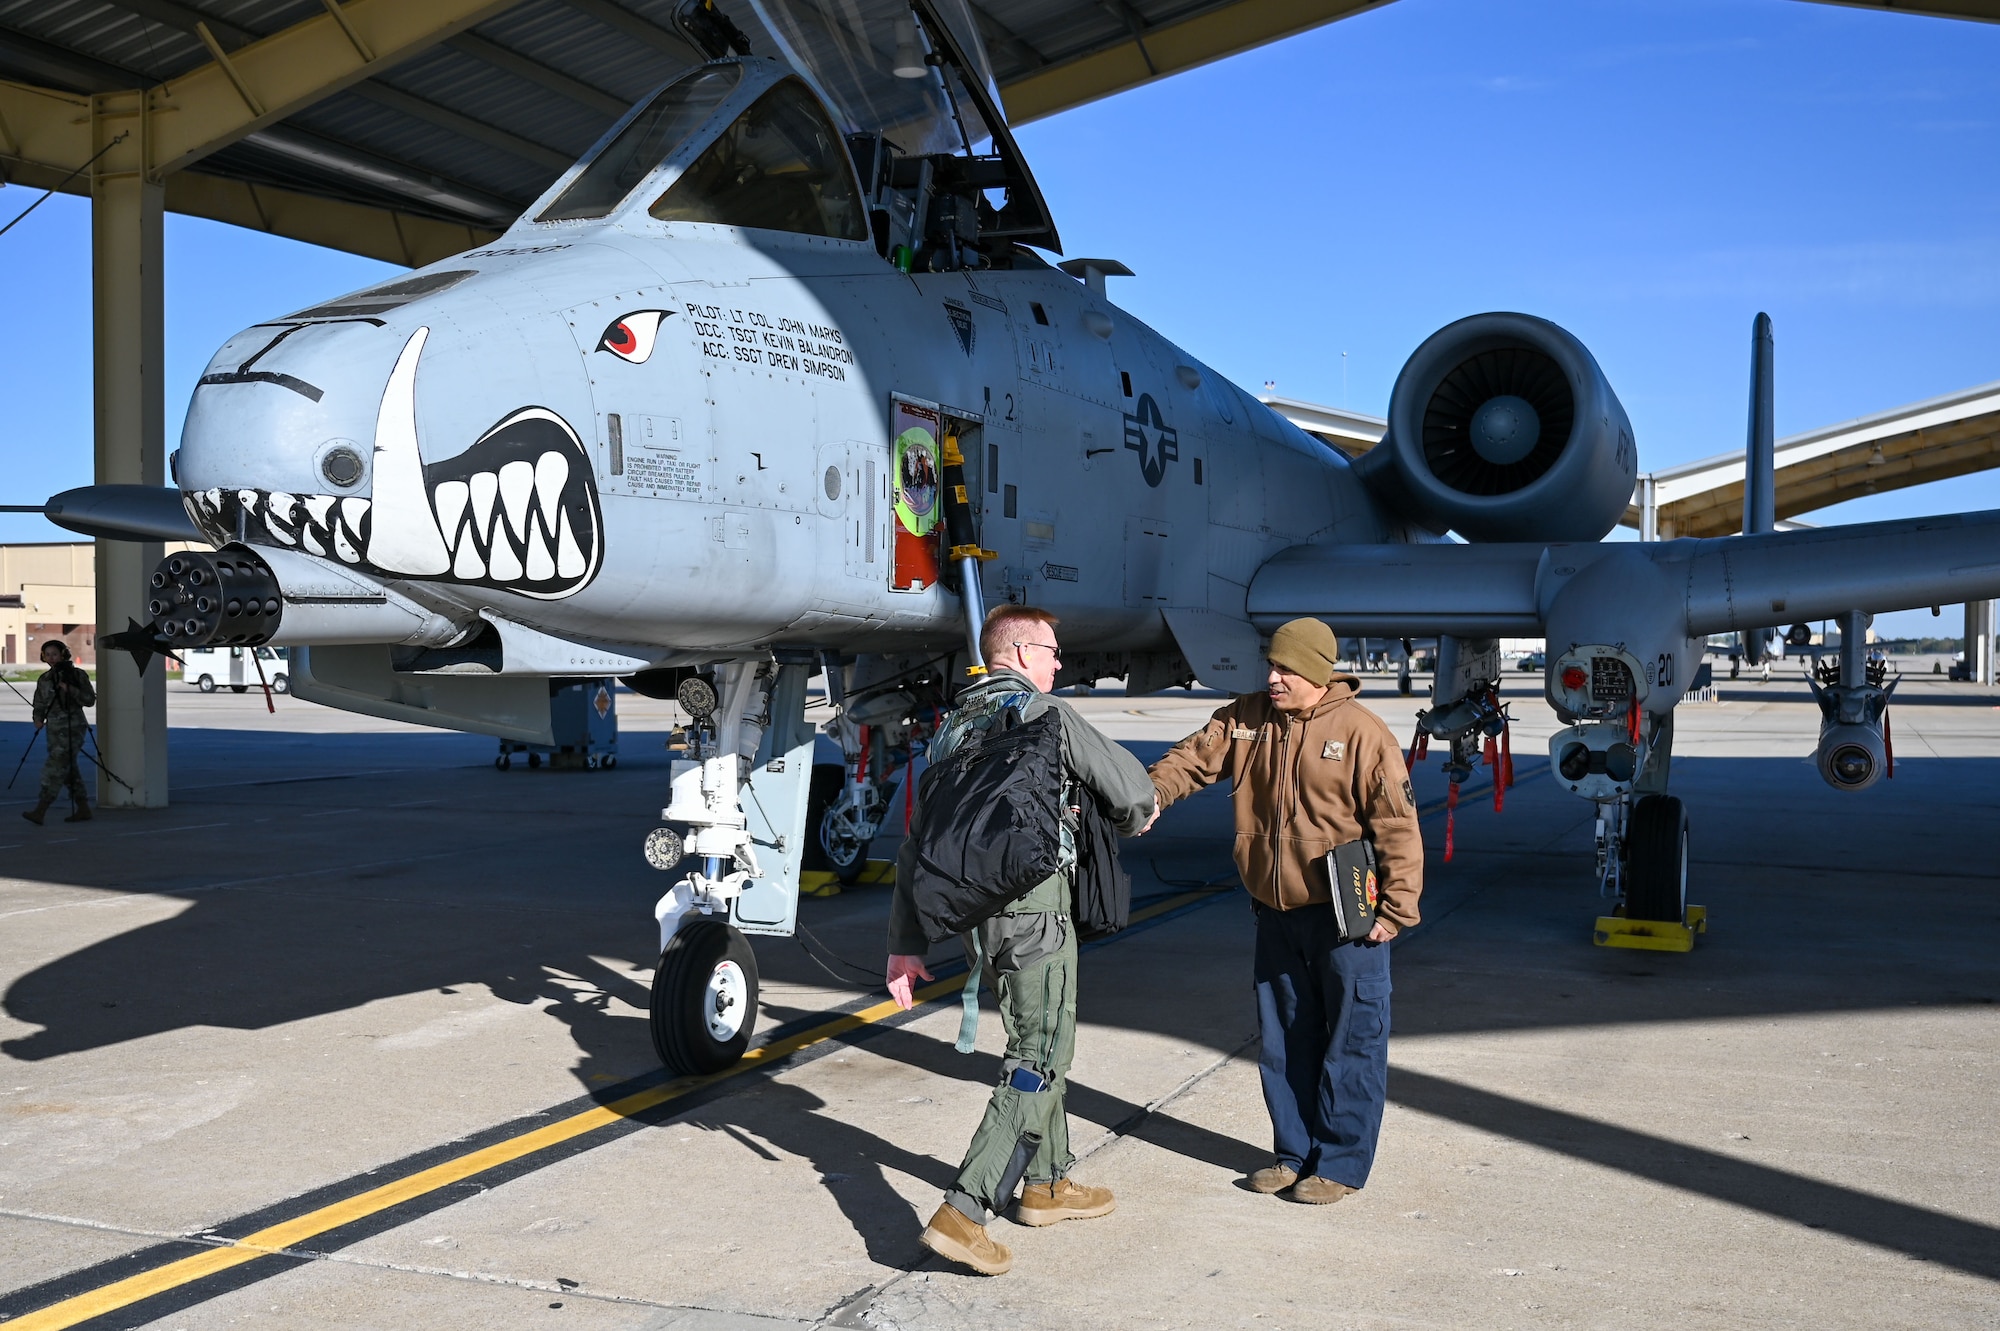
[{"x": 321, "y": 1004}]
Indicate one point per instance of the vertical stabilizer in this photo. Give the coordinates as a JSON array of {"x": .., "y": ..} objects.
[
  {"x": 1760, "y": 485},
  {"x": 1760, "y": 493}
]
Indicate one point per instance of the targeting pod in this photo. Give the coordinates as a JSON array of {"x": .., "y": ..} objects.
[
  {"x": 1854, "y": 751},
  {"x": 1852, "y": 757}
]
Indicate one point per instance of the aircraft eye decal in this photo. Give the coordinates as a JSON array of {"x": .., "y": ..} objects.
[{"x": 631, "y": 336}]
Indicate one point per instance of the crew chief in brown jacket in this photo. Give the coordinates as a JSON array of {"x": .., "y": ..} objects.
[{"x": 1309, "y": 769}]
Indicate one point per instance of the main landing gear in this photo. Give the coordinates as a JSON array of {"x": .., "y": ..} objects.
[
  {"x": 888, "y": 707},
  {"x": 1642, "y": 842},
  {"x": 1656, "y": 854},
  {"x": 1642, "y": 855}
]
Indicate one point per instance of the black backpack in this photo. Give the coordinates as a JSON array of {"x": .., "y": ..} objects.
[
  {"x": 988, "y": 824},
  {"x": 1102, "y": 894}
]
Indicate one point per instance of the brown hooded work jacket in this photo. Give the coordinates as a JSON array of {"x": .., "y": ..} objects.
[{"x": 1301, "y": 785}]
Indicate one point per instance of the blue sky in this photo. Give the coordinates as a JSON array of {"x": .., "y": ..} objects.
[{"x": 1648, "y": 173}]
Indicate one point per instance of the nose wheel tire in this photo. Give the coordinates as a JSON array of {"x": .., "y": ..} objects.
[
  {"x": 704, "y": 998},
  {"x": 1656, "y": 841}
]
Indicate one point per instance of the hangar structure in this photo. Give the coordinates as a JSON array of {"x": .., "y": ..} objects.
[{"x": 409, "y": 130}]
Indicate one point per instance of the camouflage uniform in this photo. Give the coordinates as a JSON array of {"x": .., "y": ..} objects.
[{"x": 60, "y": 697}]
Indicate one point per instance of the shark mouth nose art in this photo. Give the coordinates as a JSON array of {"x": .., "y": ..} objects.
[{"x": 518, "y": 511}]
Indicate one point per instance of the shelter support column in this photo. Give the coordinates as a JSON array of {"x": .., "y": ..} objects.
[
  {"x": 127, "y": 215},
  {"x": 1979, "y": 641}
]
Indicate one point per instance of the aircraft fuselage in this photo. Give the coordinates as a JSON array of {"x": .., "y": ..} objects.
[{"x": 685, "y": 444}]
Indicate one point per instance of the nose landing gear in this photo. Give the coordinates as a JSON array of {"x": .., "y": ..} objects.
[{"x": 704, "y": 1003}]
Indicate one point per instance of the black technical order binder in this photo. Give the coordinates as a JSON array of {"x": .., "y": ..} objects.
[{"x": 1351, "y": 870}]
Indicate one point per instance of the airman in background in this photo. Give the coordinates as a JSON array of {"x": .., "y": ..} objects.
[{"x": 60, "y": 697}]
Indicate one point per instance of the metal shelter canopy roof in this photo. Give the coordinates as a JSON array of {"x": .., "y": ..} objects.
[
  {"x": 481, "y": 103},
  {"x": 1933, "y": 440},
  {"x": 1349, "y": 432},
  {"x": 438, "y": 150}
]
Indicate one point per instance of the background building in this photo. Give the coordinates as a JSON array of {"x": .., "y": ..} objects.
[{"x": 49, "y": 590}]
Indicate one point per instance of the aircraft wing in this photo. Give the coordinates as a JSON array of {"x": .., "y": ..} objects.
[{"x": 1725, "y": 584}]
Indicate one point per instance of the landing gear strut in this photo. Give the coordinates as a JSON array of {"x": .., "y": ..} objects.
[{"x": 887, "y": 708}]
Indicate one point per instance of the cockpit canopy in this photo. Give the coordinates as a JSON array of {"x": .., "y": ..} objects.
[
  {"x": 645, "y": 142},
  {"x": 849, "y": 119},
  {"x": 779, "y": 165}
]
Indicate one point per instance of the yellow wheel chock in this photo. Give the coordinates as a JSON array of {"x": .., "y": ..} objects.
[
  {"x": 1651, "y": 935},
  {"x": 826, "y": 883}
]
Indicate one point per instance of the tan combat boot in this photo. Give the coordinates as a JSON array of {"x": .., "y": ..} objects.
[
  {"x": 39, "y": 812},
  {"x": 1317, "y": 1191},
  {"x": 951, "y": 1236},
  {"x": 1272, "y": 1178},
  {"x": 1064, "y": 1199},
  {"x": 81, "y": 813}
]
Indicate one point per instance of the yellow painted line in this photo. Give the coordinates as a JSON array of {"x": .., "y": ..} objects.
[{"x": 276, "y": 1240}]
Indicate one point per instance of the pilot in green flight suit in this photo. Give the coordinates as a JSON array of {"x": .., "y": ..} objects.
[{"x": 1031, "y": 950}]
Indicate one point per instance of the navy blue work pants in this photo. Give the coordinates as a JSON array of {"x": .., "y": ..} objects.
[{"x": 1323, "y": 1014}]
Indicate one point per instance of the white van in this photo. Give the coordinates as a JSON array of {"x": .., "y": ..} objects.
[{"x": 208, "y": 668}]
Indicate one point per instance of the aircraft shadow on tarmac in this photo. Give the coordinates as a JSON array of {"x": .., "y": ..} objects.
[{"x": 1796, "y": 877}]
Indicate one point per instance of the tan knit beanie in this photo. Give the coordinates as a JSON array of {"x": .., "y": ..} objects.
[{"x": 1307, "y": 648}]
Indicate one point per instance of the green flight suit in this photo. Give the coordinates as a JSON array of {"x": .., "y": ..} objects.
[{"x": 1030, "y": 951}]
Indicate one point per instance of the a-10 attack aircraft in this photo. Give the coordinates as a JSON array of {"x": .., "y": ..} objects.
[{"x": 774, "y": 380}]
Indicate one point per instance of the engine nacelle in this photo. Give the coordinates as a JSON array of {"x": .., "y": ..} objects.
[{"x": 1503, "y": 428}]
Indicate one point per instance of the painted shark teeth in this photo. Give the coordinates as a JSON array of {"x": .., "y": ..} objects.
[{"x": 518, "y": 511}]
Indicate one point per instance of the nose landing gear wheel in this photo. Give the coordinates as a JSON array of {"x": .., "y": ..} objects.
[
  {"x": 1656, "y": 878},
  {"x": 704, "y": 998}
]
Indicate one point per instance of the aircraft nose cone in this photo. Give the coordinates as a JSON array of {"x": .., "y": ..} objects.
[{"x": 1505, "y": 429}]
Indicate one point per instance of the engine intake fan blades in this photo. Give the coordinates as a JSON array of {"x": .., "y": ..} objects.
[{"x": 1476, "y": 410}]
